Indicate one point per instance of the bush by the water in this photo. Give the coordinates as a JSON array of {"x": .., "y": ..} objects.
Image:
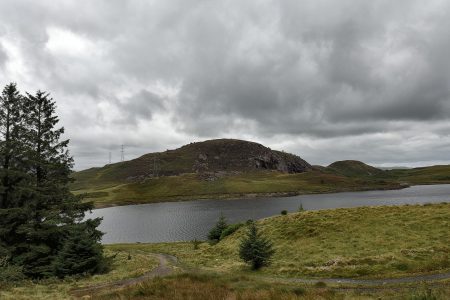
[
  {"x": 215, "y": 232},
  {"x": 195, "y": 243},
  {"x": 222, "y": 229}
]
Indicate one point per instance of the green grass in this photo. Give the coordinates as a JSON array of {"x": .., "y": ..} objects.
[
  {"x": 423, "y": 175},
  {"x": 210, "y": 286},
  {"x": 122, "y": 268},
  {"x": 366, "y": 242},
  {"x": 201, "y": 286},
  {"x": 191, "y": 186},
  {"x": 354, "y": 168}
]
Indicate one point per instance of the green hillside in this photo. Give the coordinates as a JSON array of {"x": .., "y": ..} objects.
[
  {"x": 423, "y": 175},
  {"x": 227, "y": 168},
  {"x": 365, "y": 242},
  {"x": 193, "y": 186},
  {"x": 353, "y": 168},
  {"x": 224, "y": 156}
]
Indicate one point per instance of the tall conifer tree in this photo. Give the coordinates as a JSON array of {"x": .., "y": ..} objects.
[
  {"x": 14, "y": 180},
  {"x": 54, "y": 213},
  {"x": 40, "y": 220},
  {"x": 11, "y": 146}
]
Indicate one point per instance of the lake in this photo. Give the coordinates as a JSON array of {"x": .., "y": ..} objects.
[{"x": 185, "y": 221}]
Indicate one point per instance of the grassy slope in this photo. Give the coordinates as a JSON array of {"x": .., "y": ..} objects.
[
  {"x": 356, "y": 242},
  {"x": 386, "y": 241},
  {"x": 190, "y": 186},
  {"x": 423, "y": 175},
  {"x": 122, "y": 268},
  {"x": 354, "y": 168},
  {"x": 214, "y": 287}
]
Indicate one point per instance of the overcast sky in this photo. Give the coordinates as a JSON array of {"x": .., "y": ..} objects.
[{"x": 326, "y": 80}]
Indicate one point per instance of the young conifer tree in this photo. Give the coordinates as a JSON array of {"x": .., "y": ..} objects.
[{"x": 255, "y": 249}]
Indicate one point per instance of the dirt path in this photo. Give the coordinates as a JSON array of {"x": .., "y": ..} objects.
[
  {"x": 374, "y": 282},
  {"x": 165, "y": 267},
  {"x": 166, "y": 263}
]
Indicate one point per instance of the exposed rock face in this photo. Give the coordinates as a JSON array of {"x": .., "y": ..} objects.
[{"x": 237, "y": 155}]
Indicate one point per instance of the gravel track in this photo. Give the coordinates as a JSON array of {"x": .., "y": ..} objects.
[
  {"x": 164, "y": 268},
  {"x": 166, "y": 263}
]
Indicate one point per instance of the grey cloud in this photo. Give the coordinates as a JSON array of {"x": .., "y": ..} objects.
[
  {"x": 142, "y": 105},
  {"x": 307, "y": 70},
  {"x": 3, "y": 56},
  {"x": 262, "y": 93}
]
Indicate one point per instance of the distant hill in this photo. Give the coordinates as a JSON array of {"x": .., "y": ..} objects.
[
  {"x": 229, "y": 168},
  {"x": 353, "y": 168},
  {"x": 394, "y": 168},
  {"x": 212, "y": 156}
]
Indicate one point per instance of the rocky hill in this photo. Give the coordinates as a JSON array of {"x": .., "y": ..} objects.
[
  {"x": 242, "y": 156},
  {"x": 209, "y": 158}
]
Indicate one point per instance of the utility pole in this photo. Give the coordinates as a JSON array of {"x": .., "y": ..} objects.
[
  {"x": 109, "y": 157},
  {"x": 155, "y": 167},
  {"x": 122, "y": 154}
]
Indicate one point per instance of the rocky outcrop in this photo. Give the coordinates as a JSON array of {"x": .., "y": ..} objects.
[{"x": 236, "y": 155}]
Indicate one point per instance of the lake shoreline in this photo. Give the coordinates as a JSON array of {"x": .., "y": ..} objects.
[
  {"x": 239, "y": 196},
  {"x": 188, "y": 220}
]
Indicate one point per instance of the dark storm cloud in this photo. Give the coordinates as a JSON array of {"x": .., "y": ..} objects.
[
  {"x": 325, "y": 79},
  {"x": 140, "y": 106}
]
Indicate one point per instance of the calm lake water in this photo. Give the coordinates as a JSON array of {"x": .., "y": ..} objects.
[{"x": 184, "y": 221}]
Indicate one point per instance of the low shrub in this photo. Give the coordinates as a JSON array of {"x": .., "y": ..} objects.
[
  {"x": 300, "y": 208},
  {"x": 8, "y": 272},
  {"x": 320, "y": 284},
  {"x": 230, "y": 230},
  {"x": 215, "y": 232},
  {"x": 195, "y": 243}
]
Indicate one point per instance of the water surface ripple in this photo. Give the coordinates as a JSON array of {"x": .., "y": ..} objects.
[{"x": 184, "y": 221}]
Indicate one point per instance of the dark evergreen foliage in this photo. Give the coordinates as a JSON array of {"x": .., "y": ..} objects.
[
  {"x": 81, "y": 253},
  {"x": 39, "y": 216},
  {"x": 215, "y": 233},
  {"x": 255, "y": 249},
  {"x": 14, "y": 180}
]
